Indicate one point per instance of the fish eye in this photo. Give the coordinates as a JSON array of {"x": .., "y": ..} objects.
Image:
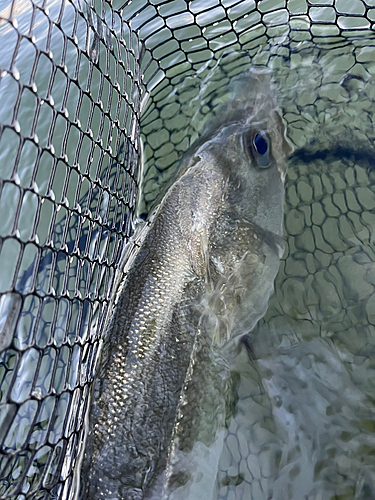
[
  {"x": 260, "y": 144},
  {"x": 257, "y": 146}
]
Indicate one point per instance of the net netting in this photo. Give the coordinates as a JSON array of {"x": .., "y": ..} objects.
[{"x": 73, "y": 75}]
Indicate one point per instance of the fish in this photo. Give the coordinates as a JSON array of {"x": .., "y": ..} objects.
[{"x": 200, "y": 279}]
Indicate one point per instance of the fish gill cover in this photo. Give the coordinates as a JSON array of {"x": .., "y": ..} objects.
[{"x": 73, "y": 76}]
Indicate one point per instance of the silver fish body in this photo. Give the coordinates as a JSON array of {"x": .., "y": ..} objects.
[{"x": 205, "y": 270}]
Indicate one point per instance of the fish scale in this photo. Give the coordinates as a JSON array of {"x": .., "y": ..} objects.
[
  {"x": 148, "y": 370},
  {"x": 145, "y": 354}
]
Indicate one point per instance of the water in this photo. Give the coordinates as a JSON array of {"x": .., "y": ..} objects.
[
  {"x": 323, "y": 307},
  {"x": 303, "y": 422}
]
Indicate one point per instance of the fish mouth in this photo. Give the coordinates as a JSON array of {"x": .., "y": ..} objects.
[{"x": 273, "y": 240}]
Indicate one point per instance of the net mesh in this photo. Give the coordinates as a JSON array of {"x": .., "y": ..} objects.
[
  {"x": 72, "y": 78},
  {"x": 70, "y": 88}
]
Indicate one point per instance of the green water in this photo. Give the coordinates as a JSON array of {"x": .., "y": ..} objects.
[{"x": 303, "y": 423}]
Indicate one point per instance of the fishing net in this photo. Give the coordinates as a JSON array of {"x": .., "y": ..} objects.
[{"x": 73, "y": 76}]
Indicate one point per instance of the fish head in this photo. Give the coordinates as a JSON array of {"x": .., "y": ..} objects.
[
  {"x": 248, "y": 147},
  {"x": 248, "y": 143}
]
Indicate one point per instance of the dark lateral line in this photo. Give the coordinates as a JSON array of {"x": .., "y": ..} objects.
[{"x": 339, "y": 152}]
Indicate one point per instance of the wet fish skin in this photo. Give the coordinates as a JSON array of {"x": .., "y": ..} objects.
[{"x": 216, "y": 234}]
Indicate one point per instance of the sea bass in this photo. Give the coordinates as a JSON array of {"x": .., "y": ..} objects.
[{"x": 202, "y": 277}]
